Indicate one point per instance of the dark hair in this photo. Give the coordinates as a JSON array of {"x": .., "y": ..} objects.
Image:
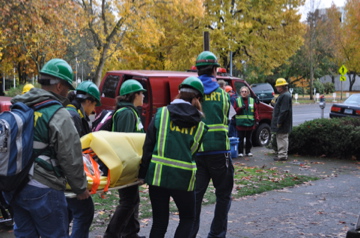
[
  {"x": 191, "y": 98},
  {"x": 126, "y": 98},
  {"x": 74, "y": 96},
  {"x": 207, "y": 69},
  {"x": 71, "y": 95}
]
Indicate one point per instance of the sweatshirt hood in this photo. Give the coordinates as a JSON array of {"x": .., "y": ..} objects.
[
  {"x": 209, "y": 82},
  {"x": 183, "y": 114}
]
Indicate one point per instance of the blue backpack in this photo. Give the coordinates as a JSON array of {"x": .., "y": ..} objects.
[{"x": 16, "y": 144}]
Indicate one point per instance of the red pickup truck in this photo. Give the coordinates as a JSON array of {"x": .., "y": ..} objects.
[{"x": 162, "y": 87}]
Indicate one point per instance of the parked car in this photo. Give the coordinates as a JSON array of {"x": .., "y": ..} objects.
[
  {"x": 349, "y": 108},
  {"x": 264, "y": 91},
  {"x": 163, "y": 86}
]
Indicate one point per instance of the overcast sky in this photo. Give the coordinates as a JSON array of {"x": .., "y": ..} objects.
[{"x": 315, "y": 4}]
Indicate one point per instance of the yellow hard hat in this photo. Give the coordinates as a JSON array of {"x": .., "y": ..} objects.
[
  {"x": 27, "y": 87},
  {"x": 280, "y": 82}
]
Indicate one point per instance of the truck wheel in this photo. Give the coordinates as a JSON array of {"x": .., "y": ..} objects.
[{"x": 262, "y": 135}]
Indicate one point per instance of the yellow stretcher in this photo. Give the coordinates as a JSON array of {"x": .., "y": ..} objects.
[{"x": 120, "y": 152}]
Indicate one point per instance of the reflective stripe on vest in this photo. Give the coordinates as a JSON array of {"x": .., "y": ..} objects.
[
  {"x": 160, "y": 160},
  {"x": 226, "y": 106},
  {"x": 197, "y": 137},
  {"x": 247, "y": 118},
  {"x": 139, "y": 125}
]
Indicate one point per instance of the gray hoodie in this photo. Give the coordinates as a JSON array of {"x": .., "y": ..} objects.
[{"x": 66, "y": 142}]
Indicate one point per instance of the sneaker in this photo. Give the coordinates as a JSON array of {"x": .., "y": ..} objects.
[
  {"x": 280, "y": 159},
  {"x": 249, "y": 154},
  {"x": 241, "y": 155}
]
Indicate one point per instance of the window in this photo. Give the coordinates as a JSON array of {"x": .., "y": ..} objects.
[
  {"x": 110, "y": 86},
  {"x": 238, "y": 85}
]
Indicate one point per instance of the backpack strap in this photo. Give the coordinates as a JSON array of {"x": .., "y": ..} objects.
[
  {"x": 45, "y": 103},
  {"x": 42, "y": 163}
]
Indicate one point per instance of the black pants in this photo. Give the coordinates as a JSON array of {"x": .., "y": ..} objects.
[
  {"x": 185, "y": 202},
  {"x": 248, "y": 136},
  {"x": 219, "y": 169},
  {"x": 124, "y": 222}
]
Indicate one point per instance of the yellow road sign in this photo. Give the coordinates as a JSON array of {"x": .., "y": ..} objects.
[
  {"x": 343, "y": 70},
  {"x": 342, "y": 78}
]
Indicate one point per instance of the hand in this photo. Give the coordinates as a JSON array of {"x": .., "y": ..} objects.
[
  {"x": 243, "y": 107},
  {"x": 84, "y": 195},
  {"x": 257, "y": 123},
  {"x": 141, "y": 181},
  {"x": 278, "y": 125}
]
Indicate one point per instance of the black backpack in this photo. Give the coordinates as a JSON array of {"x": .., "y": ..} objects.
[{"x": 103, "y": 121}]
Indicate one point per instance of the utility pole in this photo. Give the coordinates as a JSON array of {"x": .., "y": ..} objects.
[
  {"x": 311, "y": 20},
  {"x": 206, "y": 41},
  {"x": 14, "y": 79}
]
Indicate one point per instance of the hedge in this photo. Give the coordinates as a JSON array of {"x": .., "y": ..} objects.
[{"x": 337, "y": 137}]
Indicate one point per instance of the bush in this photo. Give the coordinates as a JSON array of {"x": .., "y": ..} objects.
[
  {"x": 298, "y": 90},
  {"x": 319, "y": 86},
  {"x": 329, "y": 87},
  {"x": 338, "y": 137},
  {"x": 12, "y": 92}
]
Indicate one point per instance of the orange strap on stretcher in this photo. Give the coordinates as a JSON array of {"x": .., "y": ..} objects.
[{"x": 96, "y": 176}]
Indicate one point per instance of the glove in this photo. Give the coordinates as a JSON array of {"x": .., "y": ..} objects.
[
  {"x": 243, "y": 107},
  {"x": 257, "y": 123}
]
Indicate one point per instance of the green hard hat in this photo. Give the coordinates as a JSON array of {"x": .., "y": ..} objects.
[
  {"x": 193, "y": 82},
  {"x": 59, "y": 68},
  {"x": 89, "y": 88},
  {"x": 206, "y": 58},
  {"x": 131, "y": 86}
]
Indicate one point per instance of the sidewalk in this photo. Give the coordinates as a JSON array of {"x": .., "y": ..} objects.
[{"x": 324, "y": 208}]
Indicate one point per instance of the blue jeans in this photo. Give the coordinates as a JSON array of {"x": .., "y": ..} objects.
[
  {"x": 218, "y": 168},
  {"x": 232, "y": 129},
  {"x": 185, "y": 202},
  {"x": 82, "y": 214},
  {"x": 40, "y": 212}
]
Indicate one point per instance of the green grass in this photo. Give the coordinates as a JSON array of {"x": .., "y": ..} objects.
[{"x": 247, "y": 181}]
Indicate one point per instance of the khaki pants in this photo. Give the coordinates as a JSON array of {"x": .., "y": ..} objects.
[{"x": 282, "y": 141}]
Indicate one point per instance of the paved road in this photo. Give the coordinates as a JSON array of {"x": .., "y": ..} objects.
[{"x": 306, "y": 112}]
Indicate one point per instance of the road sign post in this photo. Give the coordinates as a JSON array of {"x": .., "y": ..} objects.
[{"x": 342, "y": 70}]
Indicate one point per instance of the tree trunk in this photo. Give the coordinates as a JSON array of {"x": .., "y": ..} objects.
[{"x": 351, "y": 80}]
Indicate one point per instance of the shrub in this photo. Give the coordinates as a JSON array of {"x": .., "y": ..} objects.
[
  {"x": 319, "y": 86},
  {"x": 338, "y": 137},
  {"x": 298, "y": 90},
  {"x": 329, "y": 87}
]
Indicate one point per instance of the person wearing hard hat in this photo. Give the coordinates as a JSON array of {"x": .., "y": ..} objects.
[
  {"x": 213, "y": 159},
  {"x": 281, "y": 123},
  {"x": 27, "y": 88},
  {"x": 124, "y": 222},
  {"x": 40, "y": 208},
  {"x": 82, "y": 103},
  {"x": 175, "y": 143}
]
